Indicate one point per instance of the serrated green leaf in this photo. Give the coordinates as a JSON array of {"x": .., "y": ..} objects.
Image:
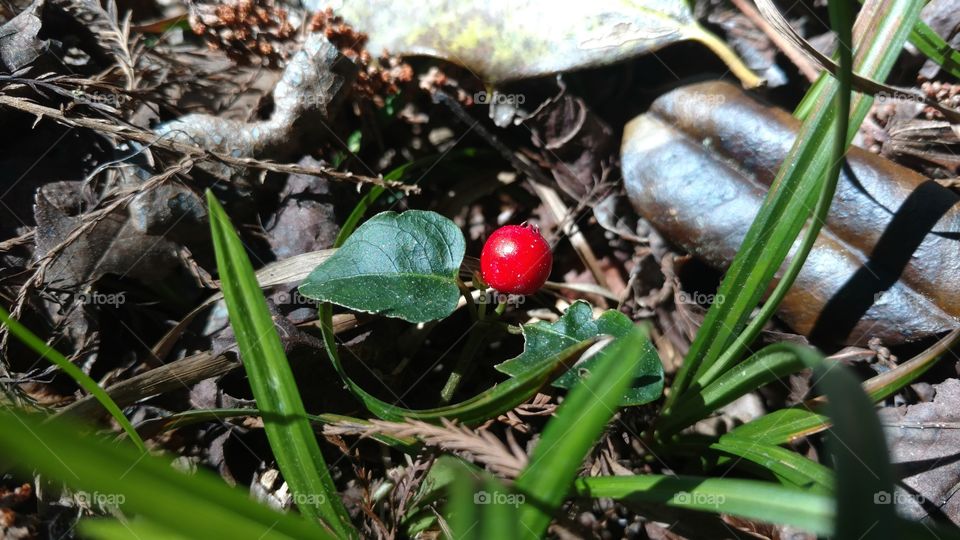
[
  {"x": 542, "y": 341},
  {"x": 397, "y": 265},
  {"x": 578, "y": 424}
]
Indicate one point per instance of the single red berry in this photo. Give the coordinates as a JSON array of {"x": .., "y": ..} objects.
[{"x": 516, "y": 259}]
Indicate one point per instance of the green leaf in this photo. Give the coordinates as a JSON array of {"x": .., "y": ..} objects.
[
  {"x": 542, "y": 342},
  {"x": 782, "y": 426},
  {"x": 398, "y": 265},
  {"x": 787, "y": 465},
  {"x": 751, "y": 499},
  {"x": 935, "y": 48},
  {"x": 82, "y": 379},
  {"x": 198, "y": 505},
  {"x": 285, "y": 420},
  {"x": 114, "y": 529},
  {"x": 479, "y": 505},
  {"x": 566, "y": 439}
]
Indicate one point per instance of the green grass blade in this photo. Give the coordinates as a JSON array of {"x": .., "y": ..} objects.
[
  {"x": 782, "y": 426},
  {"x": 291, "y": 437},
  {"x": 199, "y": 505},
  {"x": 935, "y": 48},
  {"x": 568, "y": 437},
  {"x": 858, "y": 449},
  {"x": 770, "y": 364},
  {"x": 82, "y": 379},
  {"x": 801, "y": 181},
  {"x": 751, "y": 499},
  {"x": 114, "y": 529},
  {"x": 488, "y": 404},
  {"x": 788, "y": 466}
]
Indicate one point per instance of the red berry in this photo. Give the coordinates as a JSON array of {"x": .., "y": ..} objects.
[{"x": 516, "y": 260}]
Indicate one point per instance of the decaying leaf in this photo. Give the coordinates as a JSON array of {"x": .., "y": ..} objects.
[
  {"x": 113, "y": 245},
  {"x": 887, "y": 265},
  {"x": 19, "y": 41},
  {"x": 576, "y": 143},
  {"x": 502, "y": 40},
  {"x": 924, "y": 440},
  {"x": 310, "y": 89}
]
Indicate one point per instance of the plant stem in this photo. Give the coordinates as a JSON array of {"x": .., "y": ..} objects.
[
  {"x": 465, "y": 361},
  {"x": 468, "y": 296},
  {"x": 748, "y": 78}
]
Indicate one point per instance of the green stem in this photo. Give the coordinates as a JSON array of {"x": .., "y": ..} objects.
[{"x": 465, "y": 361}]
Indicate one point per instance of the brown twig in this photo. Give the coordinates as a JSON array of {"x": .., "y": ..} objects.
[{"x": 193, "y": 152}]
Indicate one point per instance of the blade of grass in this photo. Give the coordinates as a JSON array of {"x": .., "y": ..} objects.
[
  {"x": 935, "y": 48},
  {"x": 787, "y": 465},
  {"x": 800, "y": 181},
  {"x": 841, "y": 21},
  {"x": 751, "y": 499},
  {"x": 291, "y": 437},
  {"x": 785, "y": 425},
  {"x": 82, "y": 379},
  {"x": 479, "y": 408},
  {"x": 114, "y": 529},
  {"x": 567, "y": 438},
  {"x": 767, "y": 365},
  {"x": 198, "y": 505}
]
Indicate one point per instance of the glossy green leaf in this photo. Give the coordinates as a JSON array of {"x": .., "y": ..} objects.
[
  {"x": 576, "y": 427},
  {"x": 542, "y": 341},
  {"x": 398, "y": 265},
  {"x": 82, "y": 379},
  {"x": 198, "y": 505},
  {"x": 289, "y": 432}
]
